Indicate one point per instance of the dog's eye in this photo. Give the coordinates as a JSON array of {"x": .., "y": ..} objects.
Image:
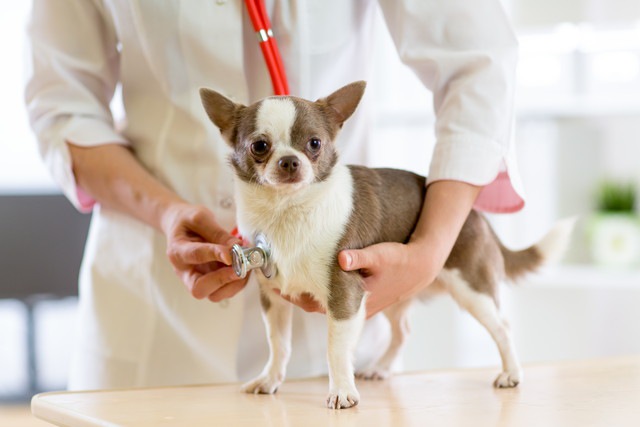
[
  {"x": 260, "y": 148},
  {"x": 314, "y": 144}
]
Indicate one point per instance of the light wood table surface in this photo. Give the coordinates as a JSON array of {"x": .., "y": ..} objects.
[{"x": 582, "y": 393}]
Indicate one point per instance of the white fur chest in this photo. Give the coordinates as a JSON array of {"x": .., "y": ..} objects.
[{"x": 302, "y": 228}]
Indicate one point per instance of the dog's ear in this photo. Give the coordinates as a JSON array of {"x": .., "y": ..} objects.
[
  {"x": 344, "y": 101},
  {"x": 221, "y": 110}
]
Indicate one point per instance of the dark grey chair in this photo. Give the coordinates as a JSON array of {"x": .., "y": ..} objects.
[{"x": 41, "y": 242}]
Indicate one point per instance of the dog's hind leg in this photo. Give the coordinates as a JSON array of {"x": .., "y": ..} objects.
[
  {"x": 483, "y": 307},
  {"x": 398, "y": 316}
]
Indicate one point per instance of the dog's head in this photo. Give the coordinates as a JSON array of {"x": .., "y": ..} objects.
[{"x": 283, "y": 142}]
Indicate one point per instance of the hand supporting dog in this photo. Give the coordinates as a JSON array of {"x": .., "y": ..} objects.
[{"x": 395, "y": 272}]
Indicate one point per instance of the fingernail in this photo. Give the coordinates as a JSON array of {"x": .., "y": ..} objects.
[
  {"x": 222, "y": 255},
  {"x": 234, "y": 241},
  {"x": 348, "y": 259}
]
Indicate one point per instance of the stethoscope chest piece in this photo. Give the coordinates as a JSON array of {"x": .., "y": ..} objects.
[{"x": 247, "y": 259}]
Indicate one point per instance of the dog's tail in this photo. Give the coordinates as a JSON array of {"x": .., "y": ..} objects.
[{"x": 548, "y": 250}]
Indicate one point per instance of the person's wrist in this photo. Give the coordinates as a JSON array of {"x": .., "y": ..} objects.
[
  {"x": 427, "y": 243},
  {"x": 167, "y": 212},
  {"x": 429, "y": 254}
]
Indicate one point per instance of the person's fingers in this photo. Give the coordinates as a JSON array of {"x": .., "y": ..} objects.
[
  {"x": 359, "y": 259},
  {"x": 189, "y": 252},
  {"x": 202, "y": 285},
  {"x": 204, "y": 223},
  {"x": 227, "y": 291}
]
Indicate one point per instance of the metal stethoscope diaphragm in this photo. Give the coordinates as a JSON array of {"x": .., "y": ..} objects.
[{"x": 247, "y": 259}]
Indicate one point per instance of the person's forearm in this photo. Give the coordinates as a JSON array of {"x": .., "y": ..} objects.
[
  {"x": 446, "y": 207},
  {"x": 112, "y": 175}
]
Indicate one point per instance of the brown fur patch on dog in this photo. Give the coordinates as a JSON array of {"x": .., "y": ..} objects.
[
  {"x": 244, "y": 164},
  {"x": 519, "y": 263},
  {"x": 389, "y": 204},
  {"x": 476, "y": 254},
  {"x": 314, "y": 121},
  {"x": 345, "y": 294},
  {"x": 380, "y": 195},
  {"x": 344, "y": 101},
  {"x": 265, "y": 302},
  {"x": 484, "y": 261}
]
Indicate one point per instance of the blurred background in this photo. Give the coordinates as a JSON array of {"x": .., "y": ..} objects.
[{"x": 578, "y": 142}]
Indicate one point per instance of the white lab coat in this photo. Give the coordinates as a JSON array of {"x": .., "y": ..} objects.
[{"x": 138, "y": 325}]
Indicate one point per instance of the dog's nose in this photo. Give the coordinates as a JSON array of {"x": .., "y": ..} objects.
[{"x": 289, "y": 163}]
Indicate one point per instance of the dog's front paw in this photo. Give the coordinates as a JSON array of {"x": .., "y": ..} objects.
[
  {"x": 508, "y": 379},
  {"x": 264, "y": 384},
  {"x": 375, "y": 373},
  {"x": 342, "y": 399}
]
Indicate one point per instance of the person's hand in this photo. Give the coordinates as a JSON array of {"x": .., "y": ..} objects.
[
  {"x": 200, "y": 252},
  {"x": 393, "y": 271}
]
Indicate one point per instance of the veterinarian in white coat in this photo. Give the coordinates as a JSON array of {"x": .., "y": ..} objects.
[{"x": 160, "y": 177}]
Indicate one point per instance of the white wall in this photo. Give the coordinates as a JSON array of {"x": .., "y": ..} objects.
[
  {"x": 20, "y": 167},
  {"x": 546, "y": 13}
]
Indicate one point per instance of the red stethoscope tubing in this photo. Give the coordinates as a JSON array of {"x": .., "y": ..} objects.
[
  {"x": 268, "y": 45},
  {"x": 270, "y": 51}
]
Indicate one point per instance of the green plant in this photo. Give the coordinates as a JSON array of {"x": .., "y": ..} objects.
[{"x": 615, "y": 196}]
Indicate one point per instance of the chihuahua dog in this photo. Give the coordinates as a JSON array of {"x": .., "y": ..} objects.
[{"x": 292, "y": 189}]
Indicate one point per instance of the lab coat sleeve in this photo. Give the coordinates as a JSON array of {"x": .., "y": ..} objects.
[
  {"x": 72, "y": 72},
  {"x": 465, "y": 53}
]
